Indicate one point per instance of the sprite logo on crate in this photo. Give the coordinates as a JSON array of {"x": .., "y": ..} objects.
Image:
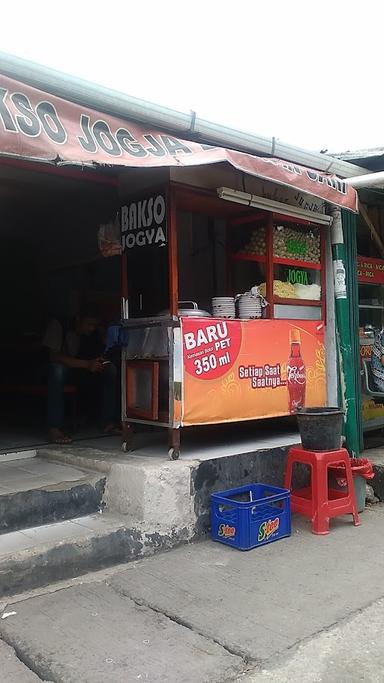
[
  {"x": 227, "y": 531},
  {"x": 267, "y": 529}
]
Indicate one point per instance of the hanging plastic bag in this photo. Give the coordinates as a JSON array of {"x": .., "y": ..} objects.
[{"x": 109, "y": 238}]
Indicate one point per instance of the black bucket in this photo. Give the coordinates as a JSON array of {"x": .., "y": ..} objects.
[{"x": 320, "y": 428}]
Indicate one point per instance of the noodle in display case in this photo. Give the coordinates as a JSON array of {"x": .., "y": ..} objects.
[
  {"x": 293, "y": 242},
  {"x": 284, "y": 258}
]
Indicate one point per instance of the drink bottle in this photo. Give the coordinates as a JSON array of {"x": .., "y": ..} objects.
[{"x": 296, "y": 378}]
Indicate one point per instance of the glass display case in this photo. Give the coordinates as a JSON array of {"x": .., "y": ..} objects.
[{"x": 284, "y": 258}]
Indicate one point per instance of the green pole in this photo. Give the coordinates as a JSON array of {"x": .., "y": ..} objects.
[{"x": 343, "y": 334}]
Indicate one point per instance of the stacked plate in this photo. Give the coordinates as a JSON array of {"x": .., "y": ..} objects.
[
  {"x": 223, "y": 307},
  {"x": 249, "y": 307}
]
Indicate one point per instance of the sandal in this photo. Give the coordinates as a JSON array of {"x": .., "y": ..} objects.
[
  {"x": 56, "y": 436},
  {"x": 112, "y": 430}
]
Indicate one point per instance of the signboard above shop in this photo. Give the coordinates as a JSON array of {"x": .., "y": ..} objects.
[
  {"x": 40, "y": 126},
  {"x": 370, "y": 270},
  {"x": 144, "y": 222}
]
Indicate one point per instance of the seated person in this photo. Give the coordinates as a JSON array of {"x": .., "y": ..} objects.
[
  {"x": 377, "y": 361},
  {"x": 75, "y": 357}
]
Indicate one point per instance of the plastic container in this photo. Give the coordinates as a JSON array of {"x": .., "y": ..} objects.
[
  {"x": 320, "y": 428},
  {"x": 359, "y": 484},
  {"x": 249, "y": 516},
  {"x": 362, "y": 472}
]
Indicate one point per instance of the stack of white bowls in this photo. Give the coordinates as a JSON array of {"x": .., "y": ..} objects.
[
  {"x": 249, "y": 306},
  {"x": 223, "y": 307}
]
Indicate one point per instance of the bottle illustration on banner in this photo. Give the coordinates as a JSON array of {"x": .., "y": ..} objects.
[{"x": 296, "y": 377}]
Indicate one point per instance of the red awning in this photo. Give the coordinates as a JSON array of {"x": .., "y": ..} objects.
[{"x": 36, "y": 125}]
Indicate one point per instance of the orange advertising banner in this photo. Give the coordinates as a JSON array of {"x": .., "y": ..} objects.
[{"x": 237, "y": 370}]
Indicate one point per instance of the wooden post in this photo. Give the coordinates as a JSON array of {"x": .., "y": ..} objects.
[
  {"x": 228, "y": 260},
  {"x": 269, "y": 268},
  {"x": 323, "y": 282},
  {"x": 124, "y": 279},
  {"x": 172, "y": 254},
  {"x": 127, "y": 428},
  {"x": 174, "y": 434}
]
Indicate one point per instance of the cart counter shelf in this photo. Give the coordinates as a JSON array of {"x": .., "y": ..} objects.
[{"x": 212, "y": 371}]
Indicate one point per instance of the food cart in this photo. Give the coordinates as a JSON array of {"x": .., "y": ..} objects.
[{"x": 196, "y": 353}]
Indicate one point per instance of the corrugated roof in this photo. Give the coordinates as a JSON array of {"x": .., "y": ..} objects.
[
  {"x": 187, "y": 125},
  {"x": 351, "y": 155}
]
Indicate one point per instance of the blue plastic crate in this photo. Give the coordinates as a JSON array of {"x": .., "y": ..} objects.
[{"x": 251, "y": 515}]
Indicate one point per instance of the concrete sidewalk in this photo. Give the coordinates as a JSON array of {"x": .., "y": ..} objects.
[
  {"x": 248, "y": 616},
  {"x": 350, "y": 652},
  {"x": 12, "y": 670},
  {"x": 261, "y": 603}
]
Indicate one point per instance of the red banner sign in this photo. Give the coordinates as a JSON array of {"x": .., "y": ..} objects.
[
  {"x": 370, "y": 270},
  {"x": 40, "y": 126}
]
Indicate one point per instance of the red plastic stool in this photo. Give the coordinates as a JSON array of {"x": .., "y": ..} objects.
[{"x": 317, "y": 501}]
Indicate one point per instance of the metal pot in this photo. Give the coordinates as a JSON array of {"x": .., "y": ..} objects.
[{"x": 192, "y": 312}]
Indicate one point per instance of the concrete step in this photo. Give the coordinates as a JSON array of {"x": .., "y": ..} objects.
[
  {"x": 34, "y": 491},
  {"x": 38, "y": 556}
]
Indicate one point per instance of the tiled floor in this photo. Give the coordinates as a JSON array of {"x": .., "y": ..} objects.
[
  {"x": 32, "y": 473},
  {"x": 17, "y": 455},
  {"x": 55, "y": 533},
  {"x": 20, "y": 438}
]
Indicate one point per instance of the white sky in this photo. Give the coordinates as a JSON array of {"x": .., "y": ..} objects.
[{"x": 309, "y": 73}]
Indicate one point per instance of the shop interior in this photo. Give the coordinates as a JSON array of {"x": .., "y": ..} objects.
[
  {"x": 370, "y": 275},
  {"x": 50, "y": 267},
  {"x": 371, "y": 296}
]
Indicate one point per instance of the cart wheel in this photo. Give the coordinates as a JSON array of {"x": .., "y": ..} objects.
[
  {"x": 127, "y": 447},
  {"x": 174, "y": 453}
]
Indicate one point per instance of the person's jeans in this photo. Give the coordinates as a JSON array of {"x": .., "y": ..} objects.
[{"x": 59, "y": 376}]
